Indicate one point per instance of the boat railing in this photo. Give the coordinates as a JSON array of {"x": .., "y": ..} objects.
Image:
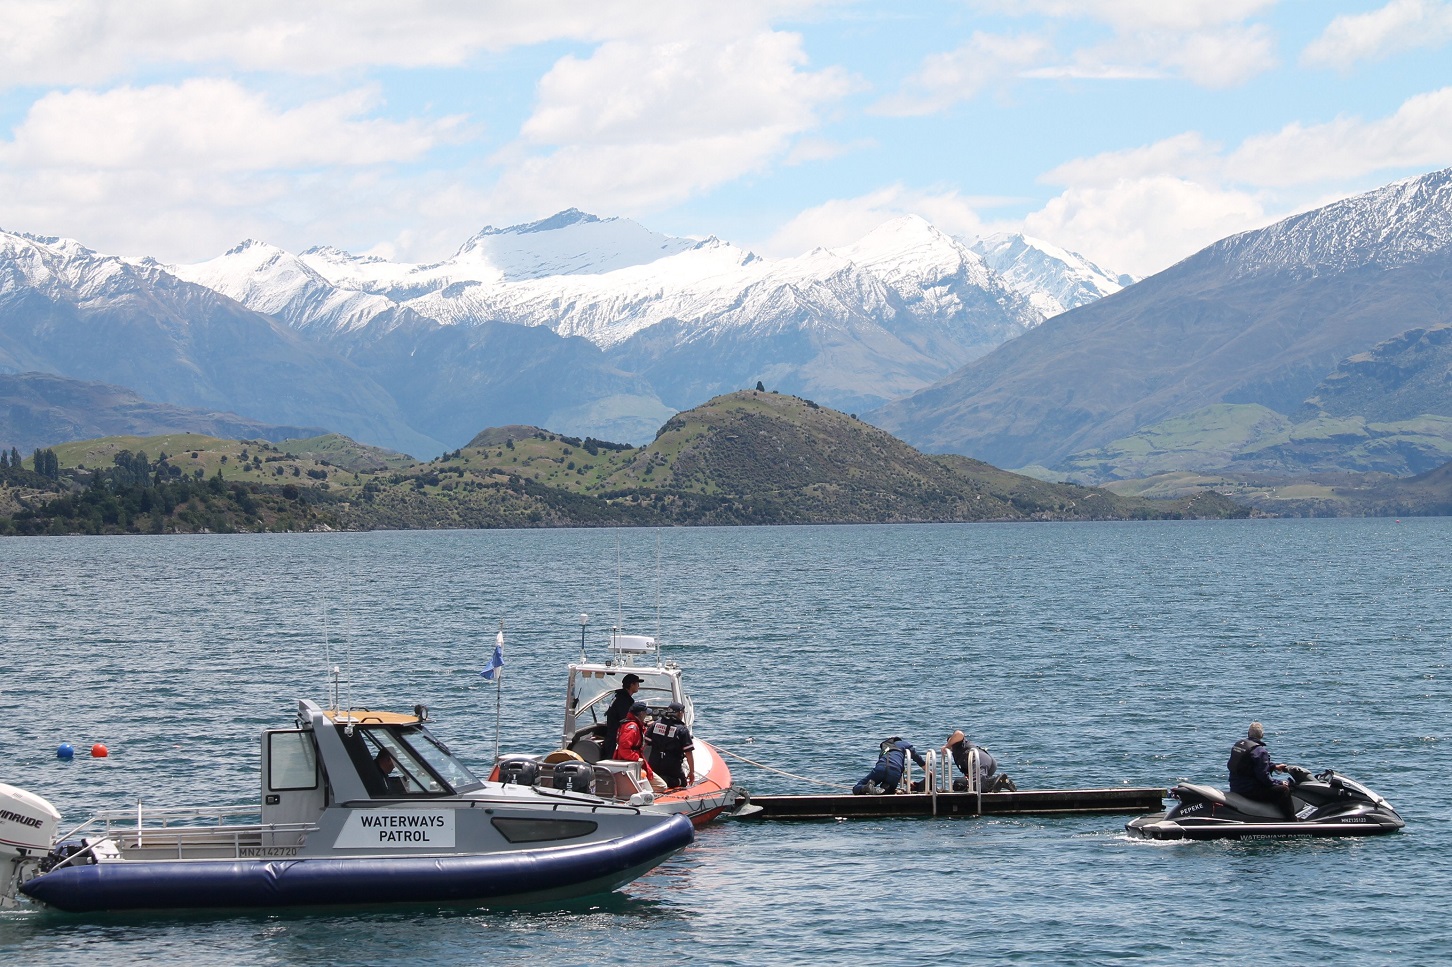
[{"x": 213, "y": 827}]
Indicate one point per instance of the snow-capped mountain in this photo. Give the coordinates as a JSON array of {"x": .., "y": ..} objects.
[
  {"x": 586, "y": 325},
  {"x": 1399, "y": 224},
  {"x": 854, "y": 326},
  {"x": 1053, "y": 279},
  {"x": 1261, "y": 318},
  {"x": 267, "y": 279},
  {"x": 570, "y": 242},
  {"x": 72, "y": 312}
]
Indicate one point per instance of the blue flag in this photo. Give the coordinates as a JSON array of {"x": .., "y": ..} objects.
[{"x": 494, "y": 671}]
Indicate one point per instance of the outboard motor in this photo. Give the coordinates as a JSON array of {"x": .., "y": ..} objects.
[
  {"x": 519, "y": 769},
  {"x": 27, "y": 829},
  {"x": 574, "y": 776}
]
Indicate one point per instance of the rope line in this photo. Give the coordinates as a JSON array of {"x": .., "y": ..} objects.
[{"x": 789, "y": 775}]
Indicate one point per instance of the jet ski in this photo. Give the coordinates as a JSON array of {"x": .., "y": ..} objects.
[{"x": 1326, "y": 804}]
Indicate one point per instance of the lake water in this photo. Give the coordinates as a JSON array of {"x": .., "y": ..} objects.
[{"x": 1080, "y": 654}]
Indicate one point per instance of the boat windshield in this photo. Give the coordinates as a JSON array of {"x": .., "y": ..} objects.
[
  {"x": 594, "y": 691},
  {"x": 421, "y": 764},
  {"x": 442, "y": 761}
]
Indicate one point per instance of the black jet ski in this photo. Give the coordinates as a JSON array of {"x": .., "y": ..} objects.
[{"x": 1326, "y": 804}]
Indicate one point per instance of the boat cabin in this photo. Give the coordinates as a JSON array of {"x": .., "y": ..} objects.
[
  {"x": 337, "y": 756},
  {"x": 592, "y": 685}
]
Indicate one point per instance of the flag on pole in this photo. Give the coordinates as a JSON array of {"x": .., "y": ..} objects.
[{"x": 494, "y": 671}]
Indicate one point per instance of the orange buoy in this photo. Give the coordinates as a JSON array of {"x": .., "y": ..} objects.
[{"x": 99, "y": 751}]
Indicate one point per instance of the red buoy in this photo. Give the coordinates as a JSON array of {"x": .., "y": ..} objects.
[{"x": 99, "y": 751}]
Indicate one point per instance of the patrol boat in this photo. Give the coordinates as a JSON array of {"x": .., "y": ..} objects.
[
  {"x": 590, "y": 690},
  {"x": 333, "y": 828}
]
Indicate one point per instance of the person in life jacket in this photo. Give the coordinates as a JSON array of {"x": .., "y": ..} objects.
[
  {"x": 989, "y": 779},
  {"x": 1250, "y": 768},
  {"x": 669, "y": 745},
  {"x": 630, "y": 740},
  {"x": 615, "y": 714},
  {"x": 885, "y": 776}
]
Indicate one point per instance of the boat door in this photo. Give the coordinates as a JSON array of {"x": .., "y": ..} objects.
[{"x": 292, "y": 787}]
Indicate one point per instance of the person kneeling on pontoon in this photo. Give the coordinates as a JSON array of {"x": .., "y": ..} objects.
[
  {"x": 887, "y": 773},
  {"x": 989, "y": 779}
]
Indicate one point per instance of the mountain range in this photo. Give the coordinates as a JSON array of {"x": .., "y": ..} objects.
[
  {"x": 587, "y": 325},
  {"x": 1320, "y": 344},
  {"x": 1330, "y": 321}
]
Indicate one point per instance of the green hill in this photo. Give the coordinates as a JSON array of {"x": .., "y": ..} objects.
[
  {"x": 758, "y": 457},
  {"x": 745, "y": 458}
]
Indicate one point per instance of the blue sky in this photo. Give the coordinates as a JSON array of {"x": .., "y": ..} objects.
[{"x": 1132, "y": 131}]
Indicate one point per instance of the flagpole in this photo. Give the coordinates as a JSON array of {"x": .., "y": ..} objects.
[{"x": 498, "y": 692}]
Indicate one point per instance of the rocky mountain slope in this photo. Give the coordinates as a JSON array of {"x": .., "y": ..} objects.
[
  {"x": 67, "y": 310},
  {"x": 1054, "y": 280},
  {"x": 1259, "y": 318}
]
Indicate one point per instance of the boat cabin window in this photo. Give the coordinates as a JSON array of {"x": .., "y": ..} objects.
[
  {"x": 292, "y": 761},
  {"x": 408, "y": 776},
  {"x": 420, "y": 764},
  {"x": 444, "y": 765},
  {"x": 593, "y": 692}
]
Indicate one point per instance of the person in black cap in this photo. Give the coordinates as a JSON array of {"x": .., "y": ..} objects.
[
  {"x": 668, "y": 748},
  {"x": 619, "y": 708}
]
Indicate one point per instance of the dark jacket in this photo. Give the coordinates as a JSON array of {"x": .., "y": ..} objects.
[
  {"x": 669, "y": 741},
  {"x": 1250, "y": 767},
  {"x": 893, "y": 759},
  {"x": 614, "y": 716},
  {"x": 987, "y": 765}
]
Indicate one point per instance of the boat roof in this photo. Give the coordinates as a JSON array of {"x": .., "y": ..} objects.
[{"x": 364, "y": 716}]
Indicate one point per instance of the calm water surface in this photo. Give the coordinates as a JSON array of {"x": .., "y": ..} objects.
[{"x": 1081, "y": 654}]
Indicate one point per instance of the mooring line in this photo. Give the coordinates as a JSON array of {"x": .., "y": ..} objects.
[{"x": 789, "y": 775}]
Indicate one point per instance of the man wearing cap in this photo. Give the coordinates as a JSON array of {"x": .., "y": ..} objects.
[
  {"x": 1250, "y": 768},
  {"x": 619, "y": 708},
  {"x": 669, "y": 745},
  {"x": 630, "y": 742}
]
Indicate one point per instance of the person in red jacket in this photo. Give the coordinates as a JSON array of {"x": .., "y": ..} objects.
[{"x": 630, "y": 740}]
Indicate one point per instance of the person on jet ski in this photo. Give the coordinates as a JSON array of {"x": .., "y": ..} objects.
[
  {"x": 887, "y": 773},
  {"x": 1250, "y": 768}
]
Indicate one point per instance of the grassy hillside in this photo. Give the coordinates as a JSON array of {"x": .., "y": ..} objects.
[
  {"x": 1244, "y": 439},
  {"x": 744, "y": 458},
  {"x": 758, "y": 457}
]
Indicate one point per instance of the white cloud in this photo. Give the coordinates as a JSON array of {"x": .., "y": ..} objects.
[
  {"x": 1221, "y": 58},
  {"x": 1205, "y": 41},
  {"x": 843, "y": 221},
  {"x": 183, "y": 171},
  {"x": 1419, "y": 135},
  {"x": 958, "y": 75},
  {"x": 1140, "y": 209},
  {"x": 210, "y": 124},
  {"x": 88, "y": 42},
  {"x": 1181, "y": 15},
  {"x": 1186, "y": 155},
  {"x": 637, "y": 126},
  {"x": 1400, "y": 25},
  {"x": 1143, "y": 224}
]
